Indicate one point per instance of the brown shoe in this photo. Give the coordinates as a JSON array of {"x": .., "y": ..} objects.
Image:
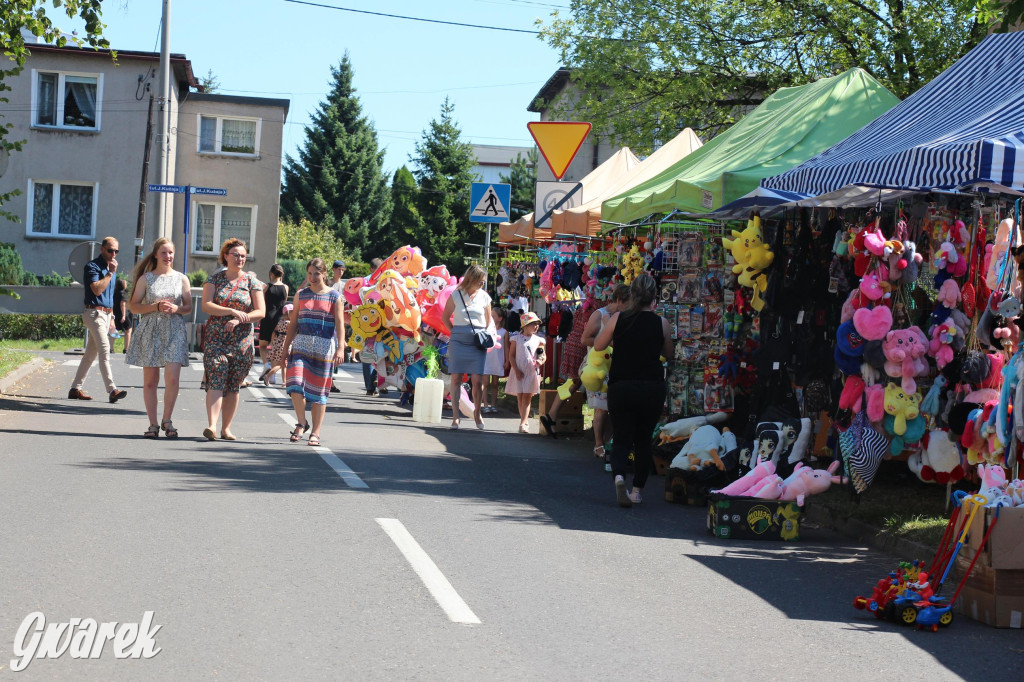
[
  {"x": 78, "y": 394},
  {"x": 116, "y": 395}
]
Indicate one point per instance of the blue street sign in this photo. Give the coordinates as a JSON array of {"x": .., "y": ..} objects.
[
  {"x": 174, "y": 189},
  {"x": 215, "y": 191},
  {"x": 489, "y": 202}
]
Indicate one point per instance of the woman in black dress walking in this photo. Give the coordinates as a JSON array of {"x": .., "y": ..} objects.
[{"x": 275, "y": 294}]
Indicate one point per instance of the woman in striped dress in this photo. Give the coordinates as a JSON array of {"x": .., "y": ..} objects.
[{"x": 314, "y": 345}]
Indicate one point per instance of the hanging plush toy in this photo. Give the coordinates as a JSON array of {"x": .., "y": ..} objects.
[
  {"x": 752, "y": 257},
  {"x": 632, "y": 265},
  {"x": 904, "y": 353}
]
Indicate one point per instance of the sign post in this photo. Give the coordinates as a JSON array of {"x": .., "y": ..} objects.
[
  {"x": 489, "y": 202},
  {"x": 188, "y": 191}
]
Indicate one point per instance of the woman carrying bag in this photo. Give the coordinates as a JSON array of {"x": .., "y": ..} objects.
[{"x": 467, "y": 316}]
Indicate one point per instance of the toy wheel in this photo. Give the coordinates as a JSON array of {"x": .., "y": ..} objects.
[
  {"x": 945, "y": 619},
  {"x": 859, "y": 603},
  {"x": 935, "y": 628},
  {"x": 908, "y": 615},
  {"x": 873, "y": 605}
]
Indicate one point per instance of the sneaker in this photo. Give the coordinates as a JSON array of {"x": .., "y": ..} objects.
[
  {"x": 635, "y": 497},
  {"x": 335, "y": 389},
  {"x": 382, "y": 391},
  {"x": 621, "y": 496},
  {"x": 116, "y": 395}
]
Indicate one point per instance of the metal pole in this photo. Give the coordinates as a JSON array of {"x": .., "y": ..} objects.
[
  {"x": 140, "y": 228},
  {"x": 165, "y": 114},
  {"x": 188, "y": 206}
]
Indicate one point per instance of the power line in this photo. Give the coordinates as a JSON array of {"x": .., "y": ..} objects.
[
  {"x": 401, "y": 16},
  {"x": 358, "y": 93}
]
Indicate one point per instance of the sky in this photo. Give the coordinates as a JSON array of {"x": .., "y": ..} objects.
[{"x": 402, "y": 69}]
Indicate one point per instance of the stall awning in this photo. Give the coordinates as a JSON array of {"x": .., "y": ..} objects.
[
  {"x": 586, "y": 218},
  {"x": 618, "y": 165},
  {"x": 789, "y": 127},
  {"x": 963, "y": 129}
]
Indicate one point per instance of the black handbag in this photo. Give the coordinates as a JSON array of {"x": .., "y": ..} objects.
[{"x": 481, "y": 338}]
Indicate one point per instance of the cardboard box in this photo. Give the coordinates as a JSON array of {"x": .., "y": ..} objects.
[
  {"x": 1004, "y": 549},
  {"x": 990, "y": 595},
  {"x": 570, "y": 412},
  {"x": 753, "y": 519}
]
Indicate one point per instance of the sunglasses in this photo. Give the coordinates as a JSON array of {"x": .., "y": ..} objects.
[{"x": 113, "y": 250}]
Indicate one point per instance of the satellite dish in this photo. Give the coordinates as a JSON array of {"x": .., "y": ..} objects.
[{"x": 80, "y": 255}]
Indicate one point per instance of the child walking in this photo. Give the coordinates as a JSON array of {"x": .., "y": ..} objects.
[
  {"x": 526, "y": 356},
  {"x": 496, "y": 363}
]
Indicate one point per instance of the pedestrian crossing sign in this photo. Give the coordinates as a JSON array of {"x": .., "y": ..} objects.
[{"x": 489, "y": 202}]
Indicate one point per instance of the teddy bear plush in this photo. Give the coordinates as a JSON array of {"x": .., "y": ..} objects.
[
  {"x": 902, "y": 406},
  {"x": 941, "y": 345},
  {"x": 752, "y": 257},
  {"x": 939, "y": 462},
  {"x": 904, "y": 352}
]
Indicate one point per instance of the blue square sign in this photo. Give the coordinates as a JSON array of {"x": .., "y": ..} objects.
[{"x": 489, "y": 202}]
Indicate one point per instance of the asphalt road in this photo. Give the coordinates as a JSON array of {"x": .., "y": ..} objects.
[{"x": 266, "y": 560}]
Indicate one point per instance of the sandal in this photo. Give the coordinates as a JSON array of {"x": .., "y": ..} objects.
[
  {"x": 314, "y": 440},
  {"x": 549, "y": 425},
  {"x": 296, "y": 434},
  {"x": 168, "y": 428},
  {"x": 152, "y": 432}
]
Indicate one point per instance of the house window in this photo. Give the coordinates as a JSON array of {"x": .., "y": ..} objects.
[
  {"x": 67, "y": 100},
  {"x": 215, "y": 223},
  {"x": 220, "y": 135},
  {"x": 61, "y": 209}
]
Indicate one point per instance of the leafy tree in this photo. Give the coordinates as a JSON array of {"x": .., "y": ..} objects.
[
  {"x": 522, "y": 176},
  {"x": 304, "y": 240},
  {"x": 337, "y": 181},
  {"x": 30, "y": 16},
  {"x": 444, "y": 172},
  {"x": 405, "y": 225},
  {"x": 643, "y": 69}
]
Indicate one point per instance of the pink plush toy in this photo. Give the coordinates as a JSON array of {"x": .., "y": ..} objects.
[
  {"x": 852, "y": 395},
  {"x": 874, "y": 323},
  {"x": 761, "y": 482},
  {"x": 959, "y": 235},
  {"x": 807, "y": 481},
  {"x": 873, "y": 285},
  {"x": 876, "y": 402},
  {"x": 949, "y": 294},
  {"x": 874, "y": 242},
  {"x": 904, "y": 351},
  {"x": 993, "y": 480},
  {"x": 940, "y": 346}
]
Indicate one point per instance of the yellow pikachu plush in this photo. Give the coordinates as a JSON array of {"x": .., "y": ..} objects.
[{"x": 594, "y": 374}]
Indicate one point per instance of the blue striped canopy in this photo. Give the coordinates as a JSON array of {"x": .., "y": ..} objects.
[{"x": 965, "y": 129}]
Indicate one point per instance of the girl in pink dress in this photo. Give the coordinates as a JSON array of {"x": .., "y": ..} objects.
[{"x": 526, "y": 357}]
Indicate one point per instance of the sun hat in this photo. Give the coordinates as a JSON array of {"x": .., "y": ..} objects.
[{"x": 528, "y": 318}]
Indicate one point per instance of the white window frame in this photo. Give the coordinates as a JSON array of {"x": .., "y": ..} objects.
[
  {"x": 219, "y": 136},
  {"x": 61, "y": 75},
  {"x": 54, "y": 221},
  {"x": 217, "y": 240}
]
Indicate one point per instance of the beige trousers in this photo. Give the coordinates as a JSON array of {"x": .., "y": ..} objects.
[{"x": 97, "y": 322}]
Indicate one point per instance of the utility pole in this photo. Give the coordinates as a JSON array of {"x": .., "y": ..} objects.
[
  {"x": 140, "y": 228},
  {"x": 165, "y": 113}
]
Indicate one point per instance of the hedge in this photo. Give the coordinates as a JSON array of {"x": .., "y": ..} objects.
[{"x": 39, "y": 327}]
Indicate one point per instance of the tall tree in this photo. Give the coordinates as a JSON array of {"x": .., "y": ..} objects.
[
  {"x": 30, "y": 16},
  {"x": 405, "y": 225},
  {"x": 444, "y": 172},
  {"x": 338, "y": 181},
  {"x": 522, "y": 175},
  {"x": 644, "y": 69}
]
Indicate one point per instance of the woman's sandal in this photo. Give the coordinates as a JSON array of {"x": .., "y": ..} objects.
[
  {"x": 168, "y": 428},
  {"x": 549, "y": 425},
  {"x": 152, "y": 432},
  {"x": 599, "y": 451},
  {"x": 314, "y": 440},
  {"x": 296, "y": 434}
]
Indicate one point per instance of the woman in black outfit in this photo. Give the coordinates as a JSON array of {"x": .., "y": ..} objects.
[
  {"x": 636, "y": 383},
  {"x": 275, "y": 294}
]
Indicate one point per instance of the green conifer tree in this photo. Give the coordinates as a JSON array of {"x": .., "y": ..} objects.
[
  {"x": 405, "y": 225},
  {"x": 338, "y": 181},
  {"x": 444, "y": 166}
]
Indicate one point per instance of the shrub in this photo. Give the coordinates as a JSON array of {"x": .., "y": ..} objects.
[
  {"x": 11, "y": 271},
  {"x": 55, "y": 280},
  {"x": 197, "y": 278},
  {"x": 38, "y": 327},
  {"x": 294, "y": 273}
]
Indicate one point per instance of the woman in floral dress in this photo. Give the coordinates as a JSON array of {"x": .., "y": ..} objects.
[
  {"x": 314, "y": 345},
  {"x": 161, "y": 296},
  {"x": 234, "y": 300}
]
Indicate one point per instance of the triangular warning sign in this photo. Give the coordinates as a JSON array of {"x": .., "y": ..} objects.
[
  {"x": 490, "y": 205},
  {"x": 558, "y": 142}
]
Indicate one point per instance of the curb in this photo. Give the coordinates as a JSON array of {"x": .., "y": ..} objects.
[
  {"x": 903, "y": 549},
  {"x": 20, "y": 372}
]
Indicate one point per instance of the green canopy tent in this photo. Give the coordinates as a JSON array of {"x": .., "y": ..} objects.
[{"x": 789, "y": 127}]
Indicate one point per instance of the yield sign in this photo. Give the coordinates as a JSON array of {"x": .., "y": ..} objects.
[{"x": 558, "y": 142}]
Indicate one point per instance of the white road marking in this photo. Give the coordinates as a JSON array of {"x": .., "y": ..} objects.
[
  {"x": 350, "y": 477},
  {"x": 443, "y": 592},
  {"x": 256, "y": 394},
  {"x": 76, "y": 363},
  {"x": 277, "y": 393},
  {"x": 199, "y": 367},
  {"x": 342, "y": 374}
]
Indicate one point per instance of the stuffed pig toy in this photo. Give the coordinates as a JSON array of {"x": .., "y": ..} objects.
[
  {"x": 904, "y": 352},
  {"x": 807, "y": 481}
]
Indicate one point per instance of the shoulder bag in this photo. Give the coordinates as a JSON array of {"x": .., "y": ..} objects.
[{"x": 481, "y": 338}]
